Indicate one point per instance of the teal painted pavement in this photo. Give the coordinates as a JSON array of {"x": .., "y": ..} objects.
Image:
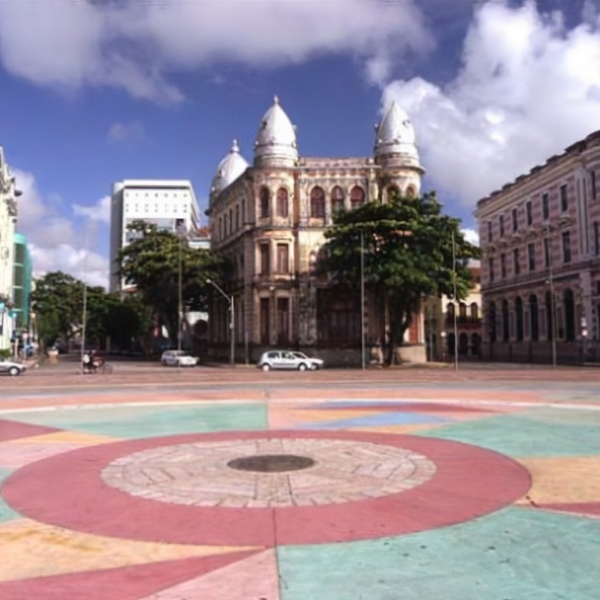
[
  {"x": 538, "y": 432},
  {"x": 136, "y": 422},
  {"x": 6, "y": 513},
  {"x": 514, "y": 554}
]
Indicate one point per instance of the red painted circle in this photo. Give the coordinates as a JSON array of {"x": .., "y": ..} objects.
[{"x": 67, "y": 491}]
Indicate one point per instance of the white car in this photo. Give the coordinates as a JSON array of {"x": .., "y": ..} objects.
[
  {"x": 288, "y": 359},
  {"x": 178, "y": 358},
  {"x": 12, "y": 368}
]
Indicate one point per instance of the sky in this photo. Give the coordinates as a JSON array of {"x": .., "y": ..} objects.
[{"x": 96, "y": 91}]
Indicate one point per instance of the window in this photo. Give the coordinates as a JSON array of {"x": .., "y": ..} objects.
[
  {"x": 337, "y": 199},
  {"x": 393, "y": 192},
  {"x": 410, "y": 192},
  {"x": 531, "y": 256},
  {"x": 474, "y": 311},
  {"x": 545, "y": 207},
  {"x": 357, "y": 197},
  {"x": 283, "y": 258},
  {"x": 237, "y": 216},
  {"x": 564, "y": 201},
  {"x": 596, "y": 238},
  {"x": 503, "y": 265},
  {"x": 593, "y": 182},
  {"x": 501, "y": 225},
  {"x": 225, "y": 226},
  {"x": 490, "y": 232},
  {"x": 529, "y": 209},
  {"x": 516, "y": 261},
  {"x": 282, "y": 202},
  {"x": 515, "y": 220},
  {"x": 265, "y": 266},
  {"x": 265, "y": 198},
  {"x": 546, "y": 252},
  {"x": 317, "y": 203},
  {"x": 566, "y": 244},
  {"x": 491, "y": 268}
]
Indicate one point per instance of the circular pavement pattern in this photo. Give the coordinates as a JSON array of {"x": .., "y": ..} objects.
[
  {"x": 409, "y": 484},
  {"x": 303, "y": 472}
]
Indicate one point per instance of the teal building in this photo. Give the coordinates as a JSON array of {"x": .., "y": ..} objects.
[{"x": 22, "y": 280}]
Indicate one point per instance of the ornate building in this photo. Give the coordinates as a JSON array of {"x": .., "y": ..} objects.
[
  {"x": 269, "y": 219},
  {"x": 540, "y": 237}
]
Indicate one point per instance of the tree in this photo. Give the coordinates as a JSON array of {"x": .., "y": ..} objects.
[
  {"x": 408, "y": 254},
  {"x": 57, "y": 302},
  {"x": 152, "y": 263}
]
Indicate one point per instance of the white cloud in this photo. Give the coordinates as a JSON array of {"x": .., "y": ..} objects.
[
  {"x": 527, "y": 89},
  {"x": 59, "y": 242},
  {"x": 122, "y": 133},
  {"x": 471, "y": 235},
  {"x": 134, "y": 45},
  {"x": 98, "y": 212}
]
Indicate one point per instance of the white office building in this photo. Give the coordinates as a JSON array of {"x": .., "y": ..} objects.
[{"x": 170, "y": 204}]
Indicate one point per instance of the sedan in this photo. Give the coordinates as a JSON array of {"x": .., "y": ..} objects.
[
  {"x": 178, "y": 358},
  {"x": 285, "y": 359},
  {"x": 12, "y": 368}
]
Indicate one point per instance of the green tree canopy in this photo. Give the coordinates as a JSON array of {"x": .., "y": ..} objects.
[
  {"x": 152, "y": 262},
  {"x": 408, "y": 254}
]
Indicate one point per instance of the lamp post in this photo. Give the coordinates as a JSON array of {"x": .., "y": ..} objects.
[
  {"x": 455, "y": 301},
  {"x": 552, "y": 298},
  {"x": 231, "y": 301},
  {"x": 362, "y": 299}
]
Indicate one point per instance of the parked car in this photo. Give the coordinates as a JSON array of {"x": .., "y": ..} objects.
[
  {"x": 178, "y": 358},
  {"x": 287, "y": 359},
  {"x": 10, "y": 367}
]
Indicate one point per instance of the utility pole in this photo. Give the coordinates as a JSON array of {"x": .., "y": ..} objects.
[
  {"x": 362, "y": 299},
  {"x": 231, "y": 301},
  {"x": 455, "y": 301}
]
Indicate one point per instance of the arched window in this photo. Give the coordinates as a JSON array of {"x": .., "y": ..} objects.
[
  {"x": 282, "y": 202},
  {"x": 475, "y": 344},
  {"x": 549, "y": 316},
  {"x": 569, "y": 304},
  {"x": 450, "y": 312},
  {"x": 463, "y": 344},
  {"x": 231, "y": 220},
  {"x": 317, "y": 203},
  {"x": 505, "y": 323},
  {"x": 519, "y": 317},
  {"x": 237, "y": 216},
  {"x": 225, "y": 225},
  {"x": 357, "y": 197},
  {"x": 265, "y": 200},
  {"x": 474, "y": 311},
  {"x": 410, "y": 191},
  {"x": 491, "y": 318},
  {"x": 393, "y": 192},
  {"x": 462, "y": 312},
  {"x": 533, "y": 317},
  {"x": 337, "y": 199}
]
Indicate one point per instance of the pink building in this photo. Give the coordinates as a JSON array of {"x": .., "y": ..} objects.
[{"x": 540, "y": 237}]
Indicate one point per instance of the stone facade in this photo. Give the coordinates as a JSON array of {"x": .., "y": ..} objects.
[
  {"x": 269, "y": 219},
  {"x": 540, "y": 237}
]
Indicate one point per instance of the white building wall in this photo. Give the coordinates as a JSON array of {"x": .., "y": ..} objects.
[
  {"x": 166, "y": 203},
  {"x": 8, "y": 219}
]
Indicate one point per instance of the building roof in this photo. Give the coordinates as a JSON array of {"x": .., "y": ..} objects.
[
  {"x": 276, "y": 135},
  {"x": 395, "y": 134},
  {"x": 228, "y": 170}
]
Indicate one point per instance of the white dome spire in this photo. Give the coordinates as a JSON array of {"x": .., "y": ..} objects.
[
  {"x": 228, "y": 170},
  {"x": 276, "y": 139},
  {"x": 396, "y": 135}
]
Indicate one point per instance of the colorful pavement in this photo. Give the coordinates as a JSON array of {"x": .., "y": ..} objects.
[{"x": 222, "y": 486}]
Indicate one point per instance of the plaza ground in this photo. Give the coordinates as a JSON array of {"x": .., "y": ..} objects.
[{"x": 233, "y": 484}]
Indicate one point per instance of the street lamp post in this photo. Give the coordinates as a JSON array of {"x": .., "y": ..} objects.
[
  {"x": 455, "y": 301},
  {"x": 231, "y": 301}
]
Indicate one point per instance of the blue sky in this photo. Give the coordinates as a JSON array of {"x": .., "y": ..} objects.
[{"x": 93, "y": 91}]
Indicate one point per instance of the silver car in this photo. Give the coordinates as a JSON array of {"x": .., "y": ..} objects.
[
  {"x": 287, "y": 359},
  {"x": 12, "y": 368}
]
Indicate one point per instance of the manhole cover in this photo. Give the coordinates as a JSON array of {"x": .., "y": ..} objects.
[{"x": 271, "y": 463}]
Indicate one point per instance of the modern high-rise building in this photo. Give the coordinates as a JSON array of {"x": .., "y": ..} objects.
[
  {"x": 169, "y": 204},
  {"x": 269, "y": 220},
  {"x": 540, "y": 237},
  {"x": 22, "y": 280}
]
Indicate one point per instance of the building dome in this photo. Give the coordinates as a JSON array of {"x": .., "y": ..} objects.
[
  {"x": 276, "y": 139},
  {"x": 229, "y": 169},
  {"x": 395, "y": 135}
]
